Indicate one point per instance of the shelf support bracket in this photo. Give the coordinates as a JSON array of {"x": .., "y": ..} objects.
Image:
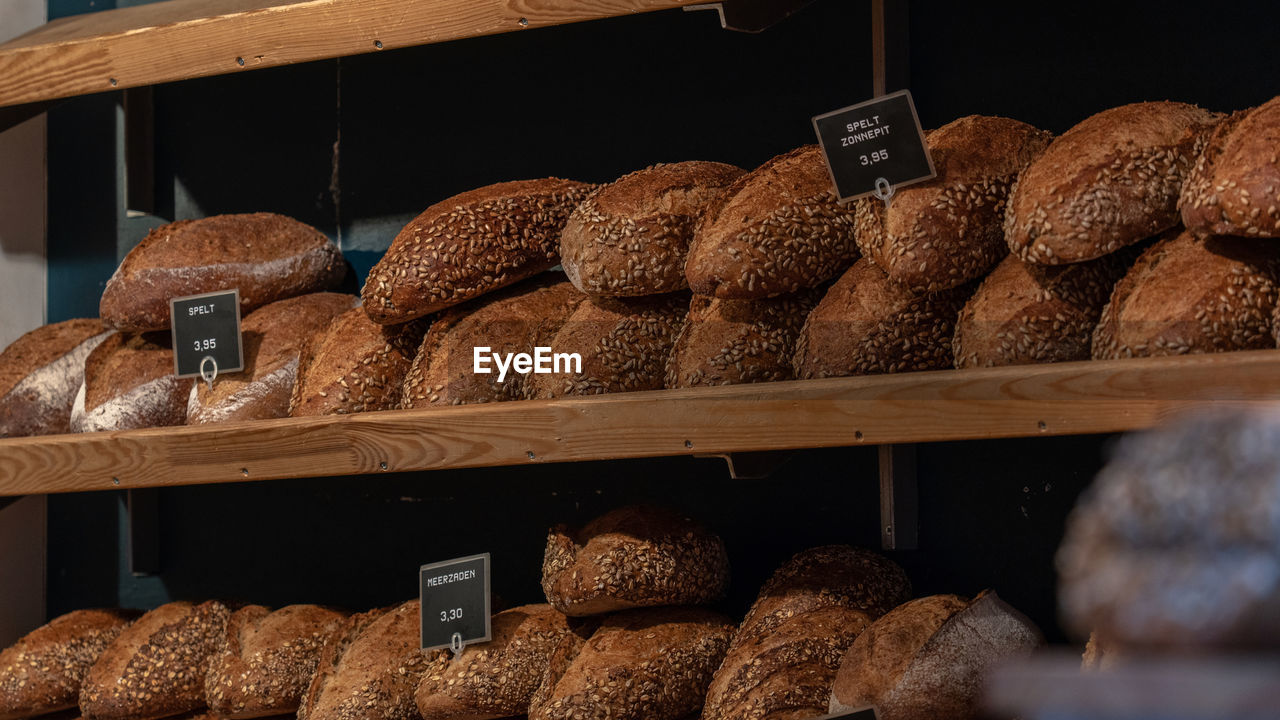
[
  {"x": 751, "y": 465},
  {"x": 143, "y": 511},
  {"x": 752, "y": 16},
  {"x": 899, "y": 498}
]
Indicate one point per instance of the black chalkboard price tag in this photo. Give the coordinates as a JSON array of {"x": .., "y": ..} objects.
[
  {"x": 875, "y": 146},
  {"x": 455, "y": 602},
  {"x": 206, "y": 334}
]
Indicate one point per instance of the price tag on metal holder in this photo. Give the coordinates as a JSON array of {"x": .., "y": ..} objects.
[
  {"x": 455, "y": 602},
  {"x": 206, "y": 335},
  {"x": 874, "y": 147}
]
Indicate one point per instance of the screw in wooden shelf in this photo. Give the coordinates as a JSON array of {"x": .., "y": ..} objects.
[
  {"x": 240, "y": 61},
  {"x": 114, "y": 82},
  {"x": 382, "y": 465},
  {"x": 115, "y": 481},
  {"x": 531, "y": 455},
  {"x": 377, "y": 44},
  {"x": 688, "y": 443},
  {"x": 857, "y": 435},
  {"x": 1043, "y": 427},
  {"x": 244, "y": 472},
  {"x": 524, "y": 22}
]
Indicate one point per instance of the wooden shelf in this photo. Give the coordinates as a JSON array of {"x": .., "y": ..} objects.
[
  {"x": 1062, "y": 399},
  {"x": 182, "y": 39}
]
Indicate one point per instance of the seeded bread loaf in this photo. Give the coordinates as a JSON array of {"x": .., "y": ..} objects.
[
  {"x": 623, "y": 342},
  {"x": 949, "y": 230},
  {"x": 867, "y": 324},
  {"x": 927, "y": 659},
  {"x": 1108, "y": 182},
  {"x": 1186, "y": 295},
  {"x": 128, "y": 384},
  {"x": 647, "y": 664},
  {"x": 265, "y": 660},
  {"x": 630, "y": 237},
  {"x": 273, "y": 337},
  {"x": 266, "y": 256},
  {"x": 1234, "y": 187},
  {"x": 775, "y": 230},
  {"x": 40, "y": 373},
  {"x": 637, "y": 556},
  {"x": 355, "y": 366},
  {"x": 471, "y": 244},
  {"x": 517, "y": 319},
  {"x": 156, "y": 666}
]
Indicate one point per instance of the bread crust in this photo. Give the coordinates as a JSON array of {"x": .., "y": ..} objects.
[
  {"x": 354, "y": 366},
  {"x": 1234, "y": 187},
  {"x": 40, "y": 374},
  {"x": 129, "y": 384}
]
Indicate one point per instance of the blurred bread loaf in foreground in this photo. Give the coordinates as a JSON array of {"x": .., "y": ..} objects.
[
  {"x": 40, "y": 374},
  {"x": 1234, "y": 188}
]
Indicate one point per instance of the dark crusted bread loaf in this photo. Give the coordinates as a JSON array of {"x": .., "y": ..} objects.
[
  {"x": 355, "y": 366},
  {"x": 267, "y": 257},
  {"x": 157, "y": 665},
  {"x": 43, "y": 671},
  {"x": 623, "y": 342},
  {"x": 128, "y": 384},
  {"x": 637, "y": 556},
  {"x": 630, "y": 237},
  {"x": 471, "y": 244},
  {"x": 1108, "y": 182},
  {"x": 775, "y": 230},
  {"x": 1186, "y": 295},
  {"x": 40, "y": 373},
  {"x": 265, "y": 659},
  {"x": 648, "y": 664},
  {"x": 1234, "y": 188},
  {"x": 949, "y": 230},
  {"x": 927, "y": 659},
  {"x": 517, "y": 319},
  {"x": 273, "y": 339},
  {"x": 725, "y": 342},
  {"x": 867, "y": 324}
]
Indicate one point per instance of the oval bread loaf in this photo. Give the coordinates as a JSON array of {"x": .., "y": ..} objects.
[
  {"x": 355, "y": 366},
  {"x": 40, "y": 374},
  {"x": 129, "y": 384},
  {"x": 1234, "y": 188}
]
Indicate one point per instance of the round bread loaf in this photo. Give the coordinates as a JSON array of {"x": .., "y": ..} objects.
[
  {"x": 1186, "y": 295},
  {"x": 40, "y": 373},
  {"x": 638, "y": 556},
  {"x": 265, "y": 660},
  {"x": 1234, "y": 188},
  {"x": 355, "y": 366},
  {"x": 927, "y": 659},
  {"x": 273, "y": 338},
  {"x": 775, "y": 230},
  {"x": 518, "y": 319},
  {"x": 157, "y": 665},
  {"x": 949, "y": 230},
  {"x": 471, "y": 244},
  {"x": 43, "y": 671},
  {"x": 867, "y": 324},
  {"x": 630, "y": 237},
  {"x": 266, "y": 256},
  {"x": 129, "y": 384},
  {"x": 1108, "y": 182}
]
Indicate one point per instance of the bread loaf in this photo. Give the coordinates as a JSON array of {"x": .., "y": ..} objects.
[
  {"x": 638, "y": 556},
  {"x": 43, "y": 671},
  {"x": 517, "y": 319},
  {"x": 471, "y": 244},
  {"x": 1108, "y": 182},
  {"x": 265, "y": 660},
  {"x": 648, "y": 664},
  {"x": 623, "y": 342},
  {"x": 355, "y": 366},
  {"x": 775, "y": 230},
  {"x": 156, "y": 666},
  {"x": 266, "y": 256},
  {"x": 273, "y": 337},
  {"x": 630, "y": 237},
  {"x": 867, "y": 324},
  {"x": 40, "y": 373},
  {"x": 949, "y": 230},
  {"x": 1185, "y": 295},
  {"x": 129, "y": 384},
  {"x": 927, "y": 659},
  {"x": 1234, "y": 187}
]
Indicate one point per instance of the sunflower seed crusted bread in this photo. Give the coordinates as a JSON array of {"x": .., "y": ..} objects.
[
  {"x": 1110, "y": 181},
  {"x": 775, "y": 230},
  {"x": 949, "y": 230},
  {"x": 471, "y": 244},
  {"x": 40, "y": 373},
  {"x": 630, "y": 237},
  {"x": 355, "y": 366},
  {"x": 637, "y": 556},
  {"x": 129, "y": 384},
  {"x": 1234, "y": 188}
]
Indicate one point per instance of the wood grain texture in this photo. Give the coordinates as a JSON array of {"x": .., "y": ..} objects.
[
  {"x": 1017, "y": 401},
  {"x": 181, "y": 39}
]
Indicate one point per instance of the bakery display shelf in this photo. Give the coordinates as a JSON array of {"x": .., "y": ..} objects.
[
  {"x": 1059, "y": 399},
  {"x": 181, "y": 39}
]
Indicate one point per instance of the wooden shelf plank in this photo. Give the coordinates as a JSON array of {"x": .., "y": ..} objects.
[
  {"x": 181, "y": 39},
  {"x": 1062, "y": 399}
]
